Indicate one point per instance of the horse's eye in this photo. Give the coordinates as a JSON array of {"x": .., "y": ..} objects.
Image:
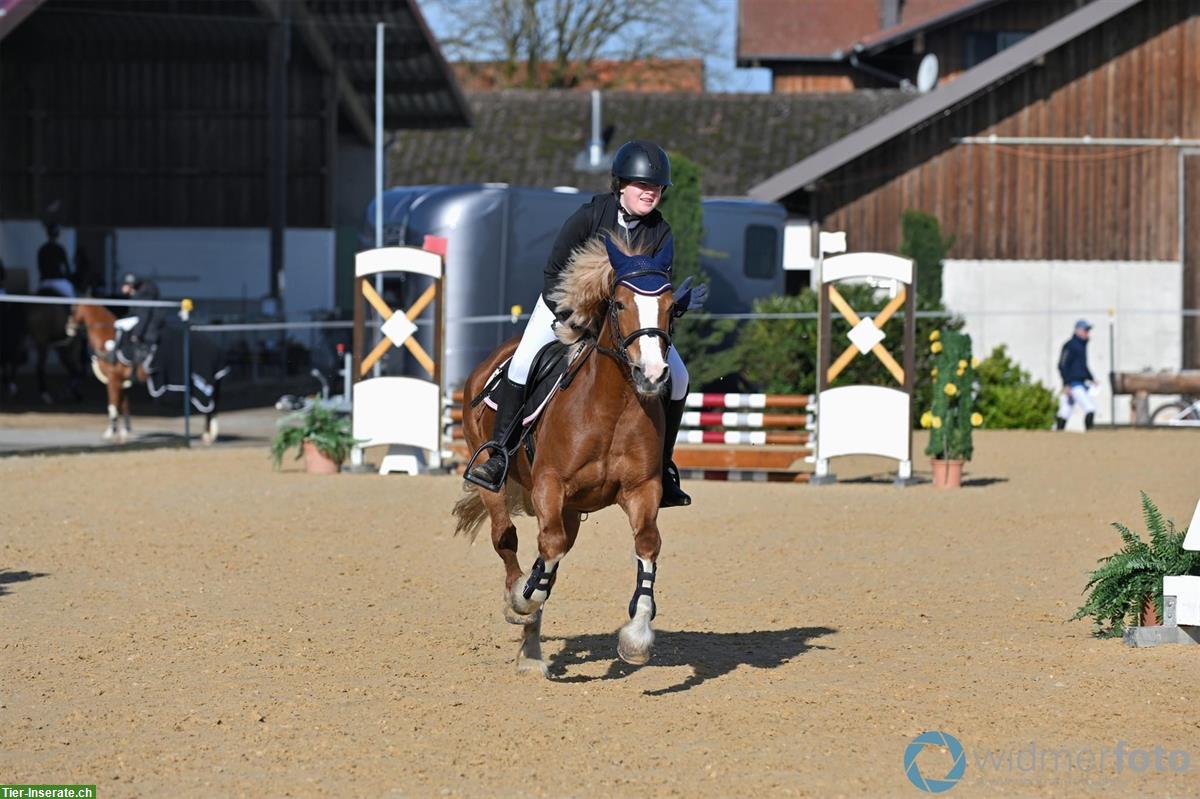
[{"x": 620, "y": 306}]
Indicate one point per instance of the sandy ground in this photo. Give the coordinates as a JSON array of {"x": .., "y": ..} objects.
[{"x": 191, "y": 623}]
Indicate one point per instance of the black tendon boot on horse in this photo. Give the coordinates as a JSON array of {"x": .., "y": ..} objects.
[
  {"x": 672, "y": 494},
  {"x": 505, "y": 436}
]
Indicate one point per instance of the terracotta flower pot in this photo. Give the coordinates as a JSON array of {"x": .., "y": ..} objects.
[
  {"x": 1149, "y": 617},
  {"x": 947, "y": 474},
  {"x": 317, "y": 462}
]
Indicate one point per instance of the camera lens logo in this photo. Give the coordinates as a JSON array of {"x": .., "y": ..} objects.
[{"x": 940, "y": 739}]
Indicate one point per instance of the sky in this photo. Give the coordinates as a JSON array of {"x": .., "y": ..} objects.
[{"x": 720, "y": 72}]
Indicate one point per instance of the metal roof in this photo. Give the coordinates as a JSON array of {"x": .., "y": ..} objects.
[{"x": 974, "y": 81}]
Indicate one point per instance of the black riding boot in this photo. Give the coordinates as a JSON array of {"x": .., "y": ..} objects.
[
  {"x": 1060, "y": 423},
  {"x": 1088, "y": 421},
  {"x": 505, "y": 435},
  {"x": 672, "y": 494}
]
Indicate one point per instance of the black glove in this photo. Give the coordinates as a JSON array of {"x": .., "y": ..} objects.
[{"x": 689, "y": 298}]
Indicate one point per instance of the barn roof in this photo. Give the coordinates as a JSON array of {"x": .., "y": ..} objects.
[
  {"x": 978, "y": 80},
  {"x": 533, "y": 137},
  {"x": 815, "y": 30},
  {"x": 420, "y": 87}
]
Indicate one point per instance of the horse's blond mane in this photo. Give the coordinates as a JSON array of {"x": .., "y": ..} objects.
[{"x": 585, "y": 285}]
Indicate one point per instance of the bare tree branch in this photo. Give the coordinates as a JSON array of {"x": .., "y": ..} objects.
[{"x": 554, "y": 43}]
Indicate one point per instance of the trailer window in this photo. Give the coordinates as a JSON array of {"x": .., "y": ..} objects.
[{"x": 762, "y": 252}]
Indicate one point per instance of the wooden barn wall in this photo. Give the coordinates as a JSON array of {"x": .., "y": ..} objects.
[
  {"x": 950, "y": 42},
  {"x": 156, "y": 134},
  {"x": 1136, "y": 76}
]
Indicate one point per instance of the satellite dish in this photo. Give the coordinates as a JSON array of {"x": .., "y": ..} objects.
[{"x": 927, "y": 73}]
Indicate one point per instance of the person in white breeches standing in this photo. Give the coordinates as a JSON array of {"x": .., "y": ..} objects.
[
  {"x": 641, "y": 173},
  {"x": 1077, "y": 378}
]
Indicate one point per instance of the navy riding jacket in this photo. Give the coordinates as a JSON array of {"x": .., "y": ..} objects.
[
  {"x": 1072, "y": 362},
  {"x": 600, "y": 213}
]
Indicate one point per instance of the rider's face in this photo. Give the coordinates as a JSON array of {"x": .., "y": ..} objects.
[
  {"x": 640, "y": 198},
  {"x": 126, "y": 289}
]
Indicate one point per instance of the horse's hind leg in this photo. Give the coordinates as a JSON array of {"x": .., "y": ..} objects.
[{"x": 636, "y": 638}]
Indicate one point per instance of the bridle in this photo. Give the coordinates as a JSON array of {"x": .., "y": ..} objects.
[{"x": 620, "y": 349}]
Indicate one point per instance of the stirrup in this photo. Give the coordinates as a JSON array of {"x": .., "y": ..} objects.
[{"x": 497, "y": 450}]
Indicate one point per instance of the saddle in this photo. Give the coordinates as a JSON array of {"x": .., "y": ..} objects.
[{"x": 545, "y": 378}]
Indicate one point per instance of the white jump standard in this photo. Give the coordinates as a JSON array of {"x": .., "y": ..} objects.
[{"x": 865, "y": 419}]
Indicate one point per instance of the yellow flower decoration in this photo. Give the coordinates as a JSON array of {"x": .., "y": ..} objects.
[
  {"x": 933, "y": 371},
  {"x": 935, "y": 335},
  {"x": 937, "y": 423},
  {"x": 935, "y": 347},
  {"x": 962, "y": 365},
  {"x": 961, "y": 371},
  {"x": 974, "y": 363},
  {"x": 976, "y": 419},
  {"x": 927, "y": 419},
  {"x": 950, "y": 389}
]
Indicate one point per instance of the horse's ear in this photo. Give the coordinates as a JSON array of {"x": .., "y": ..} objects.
[
  {"x": 615, "y": 256},
  {"x": 666, "y": 255}
]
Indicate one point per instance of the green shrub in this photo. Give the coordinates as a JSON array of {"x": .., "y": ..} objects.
[
  {"x": 706, "y": 345},
  {"x": 952, "y": 413},
  {"x": 1128, "y": 577},
  {"x": 1009, "y": 399},
  {"x": 921, "y": 240}
]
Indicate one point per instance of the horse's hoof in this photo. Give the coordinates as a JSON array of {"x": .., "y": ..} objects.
[
  {"x": 107, "y": 435},
  {"x": 633, "y": 657},
  {"x": 634, "y": 642},
  {"x": 512, "y": 617},
  {"x": 528, "y": 666}
]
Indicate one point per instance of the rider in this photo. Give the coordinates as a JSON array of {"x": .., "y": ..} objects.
[
  {"x": 54, "y": 269},
  {"x": 641, "y": 172},
  {"x": 145, "y": 334}
]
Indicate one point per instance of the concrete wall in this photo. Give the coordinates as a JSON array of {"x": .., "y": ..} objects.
[{"x": 1032, "y": 306}]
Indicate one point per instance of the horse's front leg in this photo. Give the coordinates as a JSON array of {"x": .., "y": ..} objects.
[
  {"x": 556, "y": 534},
  {"x": 114, "y": 400},
  {"x": 636, "y": 638}
]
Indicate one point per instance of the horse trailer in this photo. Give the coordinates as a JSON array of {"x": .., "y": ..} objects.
[{"x": 499, "y": 238}]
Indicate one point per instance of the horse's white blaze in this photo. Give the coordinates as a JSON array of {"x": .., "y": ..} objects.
[{"x": 652, "y": 362}]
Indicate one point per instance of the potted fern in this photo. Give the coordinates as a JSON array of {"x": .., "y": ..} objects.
[
  {"x": 320, "y": 435},
  {"x": 1127, "y": 588},
  {"x": 953, "y": 413}
]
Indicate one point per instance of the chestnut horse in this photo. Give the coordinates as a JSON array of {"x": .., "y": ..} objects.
[
  {"x": 118, "y": 377},
  {"x": 598, "y": 442}
]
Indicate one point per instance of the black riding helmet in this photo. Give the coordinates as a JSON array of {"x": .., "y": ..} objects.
[{"x": 641, "y": 160}]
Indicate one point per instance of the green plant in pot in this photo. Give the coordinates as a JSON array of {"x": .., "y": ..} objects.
[
  {"x": 1127, "y": 588},
  {"x": 320, "y": 435},
  {"x": 953, "y": 414}
]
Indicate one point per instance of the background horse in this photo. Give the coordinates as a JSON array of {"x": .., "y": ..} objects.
[
  {"x": 118, "y": 377},
  {"x": 599, "y": 442},
  {"x": 47, "y": 326}
]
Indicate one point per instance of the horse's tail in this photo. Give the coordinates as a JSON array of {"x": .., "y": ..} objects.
[{"x": 470, "y": 510}]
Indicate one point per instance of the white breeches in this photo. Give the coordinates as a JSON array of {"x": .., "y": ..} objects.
[
  {"x": 540, "y": 332},
  {"x": 1077, "y": 396},
  {"x": 58, "y": 284}
]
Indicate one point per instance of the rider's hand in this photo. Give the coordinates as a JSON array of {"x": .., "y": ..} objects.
[{"x": 699, "y": 295}]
